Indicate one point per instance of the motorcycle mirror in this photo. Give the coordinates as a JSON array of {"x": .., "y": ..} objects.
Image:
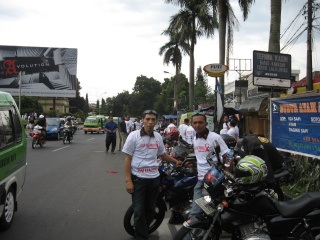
[{"x": 216, "y": 147}]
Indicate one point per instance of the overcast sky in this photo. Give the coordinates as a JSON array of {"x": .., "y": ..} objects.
[{"x": 118, "y": 40}]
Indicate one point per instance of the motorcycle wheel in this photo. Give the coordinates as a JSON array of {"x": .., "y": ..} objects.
[
  {"x": 34, "y": 143},
  {"x": 194, "y": 233},
  {"x": 128, "y": 221},
  {"x": 8, "y": 210},
  {"x": 304, "y": 234},
  {"x": 40, "y": 142}
]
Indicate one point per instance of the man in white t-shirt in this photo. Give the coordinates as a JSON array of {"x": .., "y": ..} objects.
[
  {"x": 142, "y": 149},
  {"x": 232, "y": 130},
  {"x": 190, "y": 133},
  {"x": 203, "y": 144},
  {"x": 183, "y": 128},
  {"x": 129, "y": 124}
]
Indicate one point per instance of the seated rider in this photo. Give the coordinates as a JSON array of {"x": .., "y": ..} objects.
[
  {"x": 68, "y": 124},
  {"x": 43, "y": 123}
]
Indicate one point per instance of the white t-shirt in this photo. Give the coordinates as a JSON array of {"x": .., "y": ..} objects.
[
  {"x": 190, "y": 133},
  {"x": 204, "y": 147},
  {"x": 182, "y": 131},
  {"x": 144, "y": 151},
  {"x": 234, "y": 133},
  {"x": 225, "y": 126},
  {"x": 128, "y": 125}
]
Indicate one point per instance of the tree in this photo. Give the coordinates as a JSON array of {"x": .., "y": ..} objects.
[
  {"x": 144, "y": 94},
  {"x": 275, "y": 24},
  {"x": 192, "y": 21},
  {"x": 29, "y": 104},
  {"x": 173, "y": 51},
  {"x": 201, "y": 88}
]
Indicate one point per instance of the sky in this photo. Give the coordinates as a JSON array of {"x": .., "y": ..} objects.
[{"x": 119, "y": 40}]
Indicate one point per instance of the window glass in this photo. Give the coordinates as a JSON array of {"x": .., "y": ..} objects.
[
  {"x": 7, "y": 127},
  {"x": 17, "y": 125}
]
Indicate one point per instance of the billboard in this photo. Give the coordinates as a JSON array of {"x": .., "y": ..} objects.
[
  {"x": 295, "y": 124},
  {"x": 38, "y": 71},
  {"x": 271, "y": 69}
]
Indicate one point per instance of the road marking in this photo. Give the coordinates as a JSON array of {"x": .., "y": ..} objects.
[
  {"x": 90, "y": 139},
  {"x": 60, "y": 148}
]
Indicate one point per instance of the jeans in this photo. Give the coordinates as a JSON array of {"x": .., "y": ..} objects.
[
  {"x": 197, "y": 193},
  {"x": 144, "y": 199},
  {"x": 111, "y": 140}
]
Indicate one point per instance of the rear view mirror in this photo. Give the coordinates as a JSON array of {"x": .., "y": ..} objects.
[{"x": 216, "y": 147}]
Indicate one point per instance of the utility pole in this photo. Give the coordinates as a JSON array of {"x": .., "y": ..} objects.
[{"x": 309, "y": 48}]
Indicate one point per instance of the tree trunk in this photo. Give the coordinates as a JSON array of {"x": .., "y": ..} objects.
[
  {"x": 191, "y": 70},
  {"x": 275, "y": 24},
  {"x": 222, "y": 42}
]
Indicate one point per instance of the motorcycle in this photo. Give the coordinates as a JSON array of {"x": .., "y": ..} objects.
[
  {"x": 247, "y": 212},
  {"x": 37, "y": 137},
  {"x": 176, "y": 189},
  {"x": 67, "y": 135}
]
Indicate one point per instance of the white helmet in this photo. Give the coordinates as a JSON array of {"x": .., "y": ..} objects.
[{"x": 41, "y": 116}]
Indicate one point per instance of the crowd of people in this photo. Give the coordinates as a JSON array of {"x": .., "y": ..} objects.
[{"x": 142, "y": 142}]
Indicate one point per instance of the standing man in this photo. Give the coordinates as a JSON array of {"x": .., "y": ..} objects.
[
  {"x": 111, "y": 136},
  {"x": 203, "y": 144},
  {"x": 122, "y": 132},
  {"x": 129, "y": 124},
  {"x": 183, "y": 128},
  {"x": 142, "y": 149},
  {"x": 190, "y": 133}
]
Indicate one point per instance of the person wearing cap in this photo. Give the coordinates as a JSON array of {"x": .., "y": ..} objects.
[{"x": 142, "y": 149}]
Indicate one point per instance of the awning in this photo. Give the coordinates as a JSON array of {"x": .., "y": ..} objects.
[
  {"x": 254, "y": 105},
  {"x": 170, "y": 116}
]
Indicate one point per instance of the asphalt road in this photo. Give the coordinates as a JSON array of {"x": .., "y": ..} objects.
[{"x": 75, "y": 191}]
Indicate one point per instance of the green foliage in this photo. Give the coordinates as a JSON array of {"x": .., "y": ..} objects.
[
  {"x": 306, "y": 176},
  {"x": 29, "y": 104}
]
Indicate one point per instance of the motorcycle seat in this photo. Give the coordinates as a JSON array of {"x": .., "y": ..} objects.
[{"x": 300, "y": 206}]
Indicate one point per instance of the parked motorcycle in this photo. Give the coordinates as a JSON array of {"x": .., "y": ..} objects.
[
  {"x": 245, "y": 211},
  {"x": 37, "y": 137},
  {"x": 67, "y": 135},
  {"x": 176, "y": 189}
]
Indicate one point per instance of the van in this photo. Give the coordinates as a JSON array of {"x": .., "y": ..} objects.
[
  {"x": 94, "y": 124},
  {"x": 13, "y": 159}
]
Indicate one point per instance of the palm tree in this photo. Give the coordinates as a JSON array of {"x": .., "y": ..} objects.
[
  {"x": 173, "y": 51},
  {"x": 227, "y": 19},
  {"x": 275, "y": 24},
  {"x": 192, "y": 21}
]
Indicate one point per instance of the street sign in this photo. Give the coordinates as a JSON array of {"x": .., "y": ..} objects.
[
  {"x": 215, "y": 69},
  {"x": 271, "y": 69}
]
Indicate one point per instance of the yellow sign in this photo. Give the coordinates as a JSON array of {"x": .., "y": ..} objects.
[{"x": 215, "y": 69}]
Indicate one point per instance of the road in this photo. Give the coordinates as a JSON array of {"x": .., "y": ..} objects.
[{"x": 75, "y": 191}]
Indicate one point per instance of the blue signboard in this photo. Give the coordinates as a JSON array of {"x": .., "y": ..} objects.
[{"x": 296, "y": 124}]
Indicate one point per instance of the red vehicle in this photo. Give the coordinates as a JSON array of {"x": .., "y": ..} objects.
[{"x": 37, "y": 136}]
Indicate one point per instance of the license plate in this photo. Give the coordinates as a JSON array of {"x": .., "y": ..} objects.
[{"x": 205, "y": 206}]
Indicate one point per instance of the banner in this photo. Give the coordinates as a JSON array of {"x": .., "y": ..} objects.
[
  {"x": 38, "y": 71},
  {"x": 295, "y": 124}
]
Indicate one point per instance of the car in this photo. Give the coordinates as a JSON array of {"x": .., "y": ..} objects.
[{"x": 54, "y": 130}]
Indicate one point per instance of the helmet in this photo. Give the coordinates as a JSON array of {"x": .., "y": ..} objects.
[
  {"x": 229, "y": 140},
  {"x": 250, "y": 169},
  {"x": 172, "y": 132},
  {"x": 41, "y": 116},
  {"x": 212, "y": 180},
  {"x": 68, "y": 118}
]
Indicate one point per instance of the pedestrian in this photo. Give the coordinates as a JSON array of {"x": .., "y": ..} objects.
[
  {"x": 129, "y": 125},
  {"x": 142, "y": 149},
  {"x": 203, "y": 144},
  {"x": 137, "y": 124},
  {"x": 226, "y": 123},
  {"x": 190, "y": 133},
  {"x": 172, "y": 131},
  {"x": 111, "y": 134},
  {"x": 183, "y": 128},
  {"x": 122, "y": 132},
  {"x": 232, "y": 130}
]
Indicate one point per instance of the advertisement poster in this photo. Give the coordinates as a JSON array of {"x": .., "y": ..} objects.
[
  {"x": 38, "y": 71},
  {"x": 295, "y": 124}
]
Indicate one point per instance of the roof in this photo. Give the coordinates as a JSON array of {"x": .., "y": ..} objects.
[
  {"x": 254, "y": 105},
  {"x": 303, "y": 81},
  {"x": 169, "y": 116}
]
